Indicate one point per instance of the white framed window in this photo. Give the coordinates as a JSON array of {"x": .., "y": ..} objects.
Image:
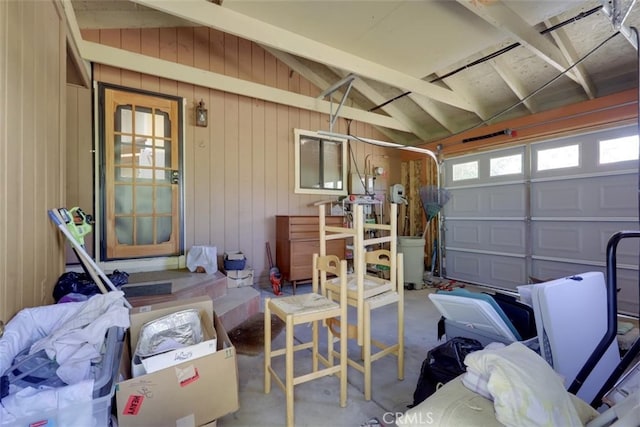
[
  {"x": 618, "y": 150},
  {"x": 320, "y": 164},
  {"x": 462, "y": 171},
  {"x": 559, "y": 157},
  {"x": 506, "y": 165}
]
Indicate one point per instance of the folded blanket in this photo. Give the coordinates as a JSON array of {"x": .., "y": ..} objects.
[{"x": 524, "y": 388}]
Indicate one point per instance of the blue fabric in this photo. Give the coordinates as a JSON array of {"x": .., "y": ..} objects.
[{"x": 487, "y": 298}]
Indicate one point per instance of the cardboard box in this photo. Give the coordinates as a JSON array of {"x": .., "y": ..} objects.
[
  {"x": 190, "y": 394},
  {"x": 239, "y": 278},
  {"x": 180, "y": 355}
]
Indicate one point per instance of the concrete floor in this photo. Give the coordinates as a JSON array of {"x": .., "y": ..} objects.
[{"x": 317, "y": 402}]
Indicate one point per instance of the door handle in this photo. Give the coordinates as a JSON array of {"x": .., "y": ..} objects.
[{"x": 175, "y": 177}]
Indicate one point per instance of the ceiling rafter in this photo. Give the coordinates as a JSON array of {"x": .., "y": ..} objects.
[
  {"x": 514, "y": 83},
  {"x": 127, "y": 60},
  {"x": 503, "y": 18},
  {"x": 320, "y": 82},
  {"x": 461, "y": 86},
  {"x": 434, "y": 111},
  {"x": 569, "y": 52},
  {"x": 376, "y": 98},
  {"x": 229, "y": 21}
]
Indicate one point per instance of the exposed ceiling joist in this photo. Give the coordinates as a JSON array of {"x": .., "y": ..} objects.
[
  {"x": 501, "y": 17},
  {"x": 157, "y": 67},
  {"x": 320, "y": 82},
  {"x": 569, "y": 52},
  {"x": 432, "y": 109},
  {"x": 376, "y": 98},
  {"x": 513, "y": 82},
  {"x": 229, "y": 21}
]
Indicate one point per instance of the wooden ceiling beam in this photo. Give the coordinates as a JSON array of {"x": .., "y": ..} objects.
[{"x": 229, "y": 21}]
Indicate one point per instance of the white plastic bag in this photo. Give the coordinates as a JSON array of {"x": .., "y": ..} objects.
[{"x": 203, "y": 256}]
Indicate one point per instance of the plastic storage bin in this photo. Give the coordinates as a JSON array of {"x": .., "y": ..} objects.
[
  {"x": 234, "y": 261},
  {"x": 412, "y": 249},
  {"x": 81, "y": 414}
]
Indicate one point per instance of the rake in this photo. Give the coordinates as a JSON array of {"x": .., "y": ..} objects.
[{"x": 433, "y": 198}]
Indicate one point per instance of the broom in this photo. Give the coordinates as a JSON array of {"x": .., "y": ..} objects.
[{"x": 433, "y": 198}]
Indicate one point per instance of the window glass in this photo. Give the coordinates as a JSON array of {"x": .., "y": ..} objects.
[
  {"x": 618, "y": 149},
  {"x": 560, "y": 157},
  {"x": 507, "y": 165},
  {"x": 463, "y": 171},
  {"x": 320, "y": 164}
]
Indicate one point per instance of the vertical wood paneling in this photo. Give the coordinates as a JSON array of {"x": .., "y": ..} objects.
[
  {"x": 32, "y": 72},
  {"x": 150, "y": 45},
  {"x": 168, "y": 52},
  {"x": 198, "y": 177},
  {"x": 245, "y": 177},
  {"x": 282, "y": 143},
  {"x": 111, "y": 38},
  {"x": 271, "y": 154},
  {"x": 131, "y": 41},
  {"x": 217, "y": 211},
  {"x": 239, "y": 170},
  {"x": 34, "y": 84},
  {"x": 258, "y": 196},
  {"x": 12, "y": 202}
]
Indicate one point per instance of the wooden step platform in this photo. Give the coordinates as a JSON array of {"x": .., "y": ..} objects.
[{"x": 232, "y": 306}]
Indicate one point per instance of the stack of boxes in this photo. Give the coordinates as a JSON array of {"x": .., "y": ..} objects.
[{"x": 238, "y": 275}]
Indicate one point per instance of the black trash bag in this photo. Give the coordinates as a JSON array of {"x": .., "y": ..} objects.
[
  {"x": 82, "y": 283},
  {"x": 443, "y": 363}
]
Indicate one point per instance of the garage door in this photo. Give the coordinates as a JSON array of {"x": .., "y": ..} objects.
[{"x": 545, "y": 210}]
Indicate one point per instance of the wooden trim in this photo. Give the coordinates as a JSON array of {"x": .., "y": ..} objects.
[{"x": 607, "y": 111}]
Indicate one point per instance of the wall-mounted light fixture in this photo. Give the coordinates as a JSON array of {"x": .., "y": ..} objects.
[{"x": 201, "y": 114}]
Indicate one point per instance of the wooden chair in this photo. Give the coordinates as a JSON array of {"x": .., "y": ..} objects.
[
  {"x": 359, "y": 298},
  {"x": 366, "y": 292},
  {"x": 315, "y": 308}
]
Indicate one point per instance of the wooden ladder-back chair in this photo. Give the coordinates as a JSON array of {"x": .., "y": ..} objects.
[
  {"x": 366, "y": 292},
  {"x": 298, "y": 309}
]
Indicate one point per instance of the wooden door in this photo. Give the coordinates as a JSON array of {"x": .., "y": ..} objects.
[{"x": 141, "y": 175}]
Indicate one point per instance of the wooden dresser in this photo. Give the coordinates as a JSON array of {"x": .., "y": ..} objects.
[{"x": 297, "y": 239}]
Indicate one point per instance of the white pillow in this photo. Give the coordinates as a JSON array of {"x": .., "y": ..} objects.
[{"x": 526, "y": 391}]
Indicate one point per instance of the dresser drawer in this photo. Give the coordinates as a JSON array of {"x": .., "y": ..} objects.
[{"x": 297, "y": 239}]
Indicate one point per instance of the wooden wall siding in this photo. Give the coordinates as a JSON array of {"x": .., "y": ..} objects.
[
  {"x": 79, "y": 157},
  {"x": 239, "y": 171},
  {"x": 32, "y": 151}
]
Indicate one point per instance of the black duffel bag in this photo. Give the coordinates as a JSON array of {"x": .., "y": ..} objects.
[{"x": 443, "y": 363}]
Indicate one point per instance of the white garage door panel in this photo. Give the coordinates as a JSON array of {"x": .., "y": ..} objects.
[
  {"x": 628, "y": 299},
  {"x": 499, "y": 271},
  {"x": 586, "y": 241},
  {"x": 544, "y": 220},
  {"x": 627, "y": 280},
  {"x": 547, "y": 270},
  {"x": 502, "y": 201},
  {"x": 601, "y": 196},
  {"x": 492, "y": 236}
]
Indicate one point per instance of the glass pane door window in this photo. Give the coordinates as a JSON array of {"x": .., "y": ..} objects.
[{"x": 141, "y": 175}]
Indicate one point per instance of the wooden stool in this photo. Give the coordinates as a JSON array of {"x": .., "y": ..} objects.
[
  {"x": 314, "y": 307},
  {"x": 362, "y": 298}
]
